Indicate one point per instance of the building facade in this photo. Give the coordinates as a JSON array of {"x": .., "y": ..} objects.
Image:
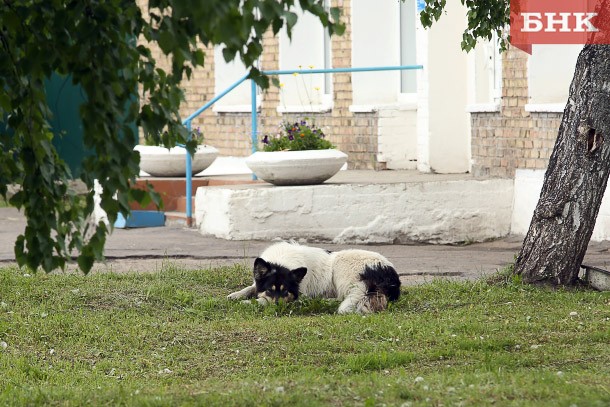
[
  {"x": 478, "y": 112},
  {"x": 519, "y": 130}
]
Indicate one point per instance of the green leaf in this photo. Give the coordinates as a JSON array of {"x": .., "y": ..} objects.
[
  {"x": 166, "y": 41},
  {"x": 199, "y": 57},
  {"x": 86, "y": 259},
  {"x": 228, "y": 54},
  {"x": 5, "y": 102},
  {"x": 291, "y": 20}
]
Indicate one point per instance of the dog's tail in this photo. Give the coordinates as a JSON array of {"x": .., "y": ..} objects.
[{"x": 382, "y": 285}]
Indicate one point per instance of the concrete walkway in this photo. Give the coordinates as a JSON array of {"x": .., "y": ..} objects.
[{"x": 150, "y": 249}]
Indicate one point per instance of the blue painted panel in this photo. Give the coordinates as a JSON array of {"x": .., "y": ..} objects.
[
  {"x": 140, "y": 219},
  {"x": 65, "y": 99}
]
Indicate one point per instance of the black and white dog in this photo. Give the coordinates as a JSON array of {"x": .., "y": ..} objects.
[{"x": 363, "y": 280}]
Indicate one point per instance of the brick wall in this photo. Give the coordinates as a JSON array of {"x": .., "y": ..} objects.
[
  {"x": 353, "y": 133},
  {"x": 512, "y": 138}
]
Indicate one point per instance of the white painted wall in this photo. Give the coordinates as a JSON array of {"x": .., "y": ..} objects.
[
  {"x": 528, "y": 184},
  {"x": 423, "y": 103},
  {"x": 444, "y": 139},
  {"x": 397, "y": 143}
]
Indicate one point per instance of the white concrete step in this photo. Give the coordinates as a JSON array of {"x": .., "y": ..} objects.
[{"x": 361, "y": 207}]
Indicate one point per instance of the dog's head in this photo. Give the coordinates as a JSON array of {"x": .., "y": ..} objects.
[{"x": 275, "y": 282}]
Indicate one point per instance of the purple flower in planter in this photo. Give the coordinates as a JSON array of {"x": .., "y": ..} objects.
[
  {"x": 266, "y": 140},
  {"x": 290, "y": 136}
]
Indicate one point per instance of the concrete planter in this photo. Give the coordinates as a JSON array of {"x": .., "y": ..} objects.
[
  {"x": 306, "y": 167},
  {"x": 161, "y": 162}
]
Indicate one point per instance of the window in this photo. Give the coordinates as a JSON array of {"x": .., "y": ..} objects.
[
  {"x": 408, "y": 18},
  {"x": 226, "y": 74},
  {"x": 383, "y": 34},
  {"x": 487, "y": 75},
  {"x": 550, "y": 72},
  {"x": 308, "y": 48}
]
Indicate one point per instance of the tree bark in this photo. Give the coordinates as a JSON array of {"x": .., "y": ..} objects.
[{"x": 575, "y": 180}]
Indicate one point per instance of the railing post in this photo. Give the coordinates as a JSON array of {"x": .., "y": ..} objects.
[
  {"x": 254, "y": 119},
  {"x": 189, "y": 181}
]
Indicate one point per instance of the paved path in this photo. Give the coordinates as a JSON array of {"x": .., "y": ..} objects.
[{"x": 149, "y": 249}]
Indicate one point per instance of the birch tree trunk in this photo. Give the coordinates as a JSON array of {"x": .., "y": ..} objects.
[{"x": 575, "y": 180}]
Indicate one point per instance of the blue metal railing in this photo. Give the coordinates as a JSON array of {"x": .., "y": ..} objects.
[{"x": 188, "y": 121}]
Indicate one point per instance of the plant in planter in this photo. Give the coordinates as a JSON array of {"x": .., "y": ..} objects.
[
  {"x": 298, "y": 155},
  {"x": 297, "y": 136},
  {"x": 159, "y": 161}
]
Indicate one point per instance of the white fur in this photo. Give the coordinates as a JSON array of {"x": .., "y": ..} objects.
[
  {"x": 317, "y": 281},
  {"x": 346, "y": 266},
  {"x": 329, "y": 275}
]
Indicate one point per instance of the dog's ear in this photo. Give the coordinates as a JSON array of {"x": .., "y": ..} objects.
[
  {"x": 299, "y": 273},
  {"x": 261, "y": 269}
]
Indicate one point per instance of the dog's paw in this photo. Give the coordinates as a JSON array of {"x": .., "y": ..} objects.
[
  {"x": 256, "y": 301},
  {"x": 247, "y": 292},
  {"x": 235, "y": 296}
]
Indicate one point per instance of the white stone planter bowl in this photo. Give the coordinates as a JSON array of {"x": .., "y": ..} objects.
[
  {"x": 161, "y": 162},
  {"x": 306, "y": 167}
]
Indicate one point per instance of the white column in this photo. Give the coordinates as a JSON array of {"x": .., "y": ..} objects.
[{"x": 443, "y": 122}]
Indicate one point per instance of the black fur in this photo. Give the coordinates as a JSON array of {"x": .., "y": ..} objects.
[
  {"x": 277, "y": 281},
  {"x": 383, "y": 279}
]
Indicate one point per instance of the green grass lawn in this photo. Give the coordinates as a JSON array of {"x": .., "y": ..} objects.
[{"x": 171, "y": 338}]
